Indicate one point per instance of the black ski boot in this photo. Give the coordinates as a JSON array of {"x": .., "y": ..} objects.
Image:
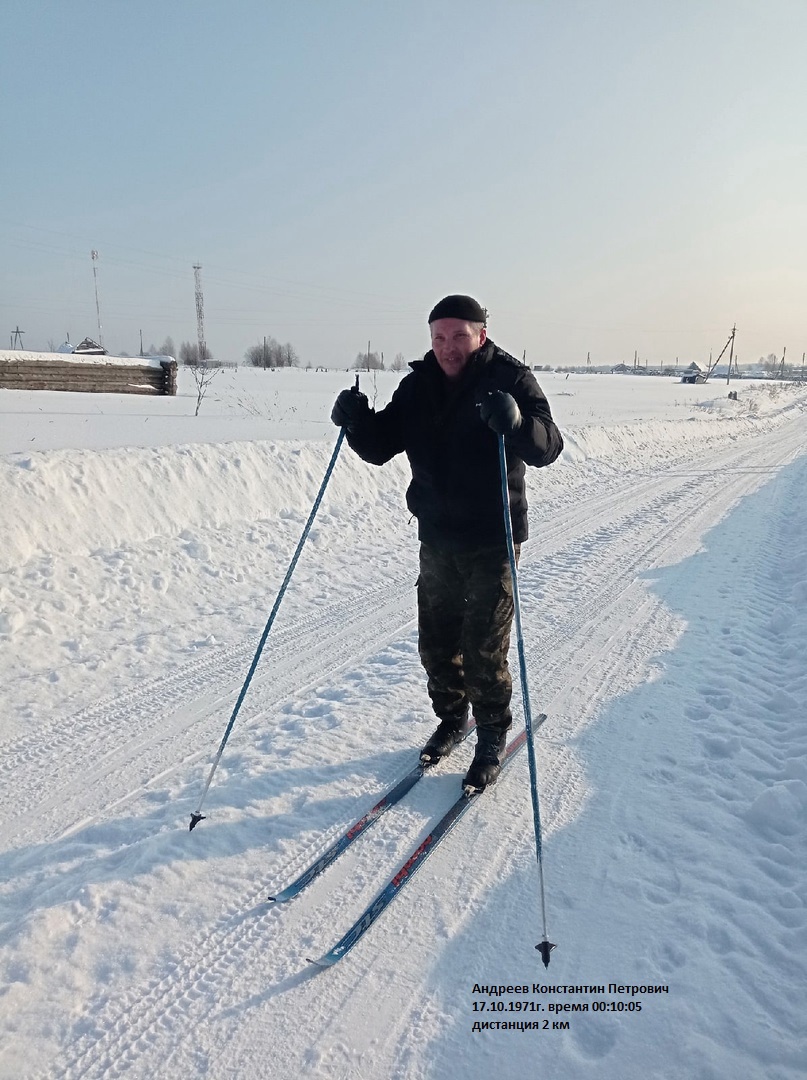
[
  {"x": 452, "y": 730},
  {"x": 487, "y": 763}
]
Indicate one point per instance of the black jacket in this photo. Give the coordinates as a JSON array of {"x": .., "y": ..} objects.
[{"x": 455, "y": 492}]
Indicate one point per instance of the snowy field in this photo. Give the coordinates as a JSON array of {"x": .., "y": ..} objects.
[{"x": 664, "y": 596}]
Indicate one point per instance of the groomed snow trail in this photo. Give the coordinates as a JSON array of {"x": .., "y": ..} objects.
[{"x": 98, "y": 803}]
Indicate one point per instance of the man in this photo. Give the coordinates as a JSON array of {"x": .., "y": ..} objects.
[{"x": 446, "y": 416}]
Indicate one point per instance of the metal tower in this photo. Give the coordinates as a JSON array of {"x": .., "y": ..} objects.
[
  {"x": 97, "y": 305},
  {"x": 200, "y": 314}
]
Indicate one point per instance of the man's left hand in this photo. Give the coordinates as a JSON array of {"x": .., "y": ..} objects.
[{"x": 500, "y": 412}]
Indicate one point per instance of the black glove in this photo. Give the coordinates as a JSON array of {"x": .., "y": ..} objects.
[
  {"x": 349, "y": 408},
  {"x": 501, "y": 413}
]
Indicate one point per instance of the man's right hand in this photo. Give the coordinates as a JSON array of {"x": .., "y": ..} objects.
[{"x": 349, "y": 409}]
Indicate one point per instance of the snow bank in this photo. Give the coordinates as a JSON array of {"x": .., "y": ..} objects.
[{"x": 71, "y": 502}]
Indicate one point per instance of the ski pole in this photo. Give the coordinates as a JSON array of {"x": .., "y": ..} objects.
[
  {"x": 546, "y": 946},
  {"x": 197, "y": 815}
]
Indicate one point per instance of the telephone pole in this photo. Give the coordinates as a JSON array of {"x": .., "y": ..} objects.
[{"x": 730, "y": 342}]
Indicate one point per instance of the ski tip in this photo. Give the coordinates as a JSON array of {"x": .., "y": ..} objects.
[
  {"x": 282, "y": 897},
  {"x": 545, "y": 948},
  {"x": 320, "y": 964},
  {"x": 196, "y": 817}
]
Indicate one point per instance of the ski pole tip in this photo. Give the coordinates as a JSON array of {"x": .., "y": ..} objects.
[
  {"x": 545, "y": 948},
  {"x": 196, "y": 817}
]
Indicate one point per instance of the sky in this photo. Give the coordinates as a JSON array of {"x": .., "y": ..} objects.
[{"x": 607, "y": 179}]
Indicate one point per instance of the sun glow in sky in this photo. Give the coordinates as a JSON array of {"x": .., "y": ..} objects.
[{"x": 604, "y": 176}]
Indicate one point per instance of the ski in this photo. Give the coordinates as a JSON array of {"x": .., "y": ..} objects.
[
  {"x": 390, "y": 798},
  {"x": 414, "y": 862}
]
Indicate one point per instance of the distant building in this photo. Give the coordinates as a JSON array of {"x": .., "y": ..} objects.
[
  {"x": 88, "y": 347},
  {"x": 693, "y": 374}
]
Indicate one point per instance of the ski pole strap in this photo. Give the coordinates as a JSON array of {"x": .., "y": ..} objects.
[{"x": 197, "y": 816}]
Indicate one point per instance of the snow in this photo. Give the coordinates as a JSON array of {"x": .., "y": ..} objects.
[
  {"x": 16, "y": 356},
  {"x": 663, "y": 600}
]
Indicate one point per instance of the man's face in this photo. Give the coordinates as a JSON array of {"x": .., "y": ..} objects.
[{"x": 453, "y": 341}]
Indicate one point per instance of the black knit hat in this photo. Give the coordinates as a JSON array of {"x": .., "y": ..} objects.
[{"x": 459, "y": 307}]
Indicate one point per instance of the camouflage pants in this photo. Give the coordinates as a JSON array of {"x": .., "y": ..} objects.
[{"x": 465, "y": 611}]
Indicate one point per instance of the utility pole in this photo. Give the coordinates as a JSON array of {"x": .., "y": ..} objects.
[
  {"x": 730, "y": 342},
  {"x": 782, "y": 365},
  {"x": 16, "y": 338},
  {"x": 94, "y": 254},
  {"x": 200, "y": 314},
  {"x": 731, "y": 353},
  {"x": 141, "y": 343}
]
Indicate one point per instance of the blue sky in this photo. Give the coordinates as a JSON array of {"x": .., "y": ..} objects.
[{"x": 604, "y": 176}]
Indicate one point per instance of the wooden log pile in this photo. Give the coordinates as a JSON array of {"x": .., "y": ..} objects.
[{"x": 46, "y": 373}]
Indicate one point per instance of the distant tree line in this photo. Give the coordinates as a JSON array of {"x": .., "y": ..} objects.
[
  {"x": 168, "y": 348},
  {"x": 774, "y": 366},
  {"x": 189, "y": 353},
  {"x": 271, "y": 354},
  {"x": 373, "y": 361},
  {"x": 268, "y": 353}
]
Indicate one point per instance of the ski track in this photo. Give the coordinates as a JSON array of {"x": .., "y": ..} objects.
[
  {"x": 590, "y": 623},
  {"x": 293, "y": 659}
]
